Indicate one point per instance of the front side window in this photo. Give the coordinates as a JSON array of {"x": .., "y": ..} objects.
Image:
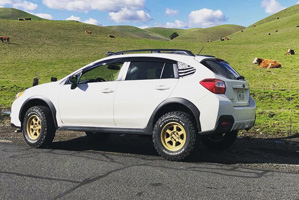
[
  {"x": 101, "y": 73},
  {"x": 142, "y": 70}
]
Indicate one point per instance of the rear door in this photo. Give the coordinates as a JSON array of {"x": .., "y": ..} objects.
[
  {"x": 148, "y": 83},
  {"x": 237, "y": 88}
]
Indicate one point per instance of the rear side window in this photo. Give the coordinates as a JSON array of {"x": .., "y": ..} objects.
[
  {"x": 139, "y": 70},
  {"x": 221, "y": 68}
]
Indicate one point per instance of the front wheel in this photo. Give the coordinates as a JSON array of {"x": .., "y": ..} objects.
[
  {"x": 174, "y": 136},
  {"x": 222, "y": 141},
  {"x": 38, "y": 126}
]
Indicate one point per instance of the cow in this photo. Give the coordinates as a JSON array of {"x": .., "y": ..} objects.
[
  {"x": 269, "y": 33},
  {"x": 290, "y": 52},
  {"x": 88, "y": 32},
  {"x": 242, "y": 31},
  {"x": 266, "y": 63},
  {"x": 276, "y": 31},
  {"x": 111, "y": 36},
  {"x": 27, "y": 18},
  {"x": 4, "y": 38},
  {"x": 221, "y": 39},
  {"x": 277, "y": 17},
  {"x": 209, "y": 41},
  {"x": 226, "y": 38},
  {"x": 254, "y": 25},
  {"x": 21, "y": 19}
]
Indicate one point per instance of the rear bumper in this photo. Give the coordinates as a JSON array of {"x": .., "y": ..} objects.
[{"x": 234, "y": 118}]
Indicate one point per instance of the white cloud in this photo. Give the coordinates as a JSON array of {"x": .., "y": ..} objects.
[
  {"x": 45, "y": 16},
  {"x": 73, "y": 18},
  {"x": 297, "y": 2},
  {"x": 5, "y": 2},
  {"x": 127, "y": 15},
  {"x": 25, "y": 5},
  {"x": 272, "y": 6},
  {"x": 91, "y": 21},
  {"x": 171, "y": 12},
  {"x": 144, "y": 27},
  {"x": 176, "y": 24},
  {"x": 206, "y": 18},
  {"x": 87, "y": 5}
]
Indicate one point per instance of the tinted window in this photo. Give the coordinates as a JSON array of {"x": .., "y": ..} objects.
[
  {"x": 221, "y": 68},
  {"x": 104, "y": 72},
  {"x": 149, "y": 70}
]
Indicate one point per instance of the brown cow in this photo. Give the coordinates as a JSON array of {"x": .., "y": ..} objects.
[
  {"x": 276, "y": 31},
  {"x": 226, "y": 38},
  {"x": 290, "y": 52},
  {"x": 111, "y": 36},
  {"x": 266, "y": 63},
  {"x": 4, "y": 38},
  {"x": 27, "y": 18},
  {"x": 88, "y": 32}
]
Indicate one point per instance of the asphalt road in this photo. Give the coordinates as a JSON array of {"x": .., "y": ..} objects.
[{"x": 127, "y": 167}]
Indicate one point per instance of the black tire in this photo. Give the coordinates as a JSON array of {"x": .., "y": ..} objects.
[
  {"x": 220, "y": 142},
  {"x": 38, "y": 127},
  {"x": 95, "y": 136},
  {"x": 180, "y": 142}
]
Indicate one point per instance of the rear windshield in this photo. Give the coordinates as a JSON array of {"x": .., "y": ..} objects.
[{"x": 221, "y": 68}]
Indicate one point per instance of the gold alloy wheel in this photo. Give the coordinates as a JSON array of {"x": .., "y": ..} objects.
[
  {"x": 33, "y": 127},
  {"x": 173, "y": 136}
]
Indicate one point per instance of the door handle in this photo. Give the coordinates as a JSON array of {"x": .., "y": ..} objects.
[
  {"x": 107, "y": 90},
  {"x": 162, "y": 87}
]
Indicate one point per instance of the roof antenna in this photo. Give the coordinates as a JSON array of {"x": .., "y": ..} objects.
[{"x": 201, "y": 50}]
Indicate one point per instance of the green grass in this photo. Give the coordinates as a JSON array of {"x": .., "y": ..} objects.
[
  {"x": 14, "y": 14},
  {"x": 57, "y": 48}
]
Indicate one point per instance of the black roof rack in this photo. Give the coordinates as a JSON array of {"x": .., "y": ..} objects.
[{"x": 175, "y": 51}]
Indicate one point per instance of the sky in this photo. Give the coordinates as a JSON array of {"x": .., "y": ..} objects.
[{"x": 153, "y": 13}]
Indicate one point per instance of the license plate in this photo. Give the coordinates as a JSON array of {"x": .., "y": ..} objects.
[{"x": 241, "y": 95}]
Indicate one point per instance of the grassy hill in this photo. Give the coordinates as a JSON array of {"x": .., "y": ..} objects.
[
  {"x": 166, "y": 32},
  {"x": 134, "y": 32},
  {"x": 14, "y": 14},
  {"x": 56, "y": 48},
  {"x": 213, "y": 33}
]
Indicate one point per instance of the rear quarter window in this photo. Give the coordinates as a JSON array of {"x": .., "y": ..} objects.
[{"x": 221, "y": 68}]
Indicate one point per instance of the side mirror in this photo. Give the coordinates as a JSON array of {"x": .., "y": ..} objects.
[
  {"x": 53, "y": 79},
  {"x": 74, "y": 81}
]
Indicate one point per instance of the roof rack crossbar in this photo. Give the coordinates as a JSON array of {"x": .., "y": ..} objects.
[{"x": 177, "y": 51}]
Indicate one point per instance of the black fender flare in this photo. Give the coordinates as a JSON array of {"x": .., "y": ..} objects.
[
  {"x": 45, "y": 100},
  {"x": 175, "y": 100}
]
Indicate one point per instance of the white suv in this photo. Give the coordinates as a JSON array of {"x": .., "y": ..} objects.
[{"x": 173, "y": 95}]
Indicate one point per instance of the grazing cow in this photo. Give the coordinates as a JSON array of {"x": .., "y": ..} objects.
[
  {"x": 297, "y": 26},
  {"x": 111, "y": 36},
  {"x": 21, "y": 19},
  {"x": 276, "y": 31},
  {"x": 269, "y": 33},
  {"x": 290, "y": 52},
  {"x": 266, "y": 63},
  {"x": 242, "y": 31},
  {"x": 4, "y": 38},
  {"x": 27, "y": 18},
  {"x": 226, "y": 38},
  {"x": 221, "y": 39},
  {"x": 253, "y": 25},
  {"x": 88, "y": 32},
  {"x": 209, "y": 41},
  {"x": 277, "y": 17}
]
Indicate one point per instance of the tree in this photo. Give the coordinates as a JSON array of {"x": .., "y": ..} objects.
[{"x": 173, "y": 35}]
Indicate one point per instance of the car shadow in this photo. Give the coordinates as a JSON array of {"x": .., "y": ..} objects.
[{"x": 246, "y": 150}]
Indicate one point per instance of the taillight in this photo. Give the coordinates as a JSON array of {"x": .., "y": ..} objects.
[{"x": 214, "y": 85}]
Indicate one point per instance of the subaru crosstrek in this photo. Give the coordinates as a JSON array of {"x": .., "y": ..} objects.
[{"x": 171, "y": 94}]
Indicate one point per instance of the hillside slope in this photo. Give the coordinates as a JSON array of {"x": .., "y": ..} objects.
[
  {"x": 14, "y": 14},
  {"x": 134, "y": 32},
  {"x": 213, "y": 33},
  {"x": 166, "y": 32}
]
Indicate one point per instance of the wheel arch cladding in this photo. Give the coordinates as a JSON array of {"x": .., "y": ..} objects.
[
  {"x": 176, "y": 104},
  {"x": 38, "y": 101}
]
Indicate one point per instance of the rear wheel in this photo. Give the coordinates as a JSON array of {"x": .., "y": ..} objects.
[
  {"x": 38, "y": 127},
  {"x": 222, "y": 141},
  {"x": 174, "y": 136}
]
